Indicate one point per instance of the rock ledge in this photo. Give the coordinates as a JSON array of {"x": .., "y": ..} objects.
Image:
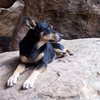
[{"x": 74, "y": 77}]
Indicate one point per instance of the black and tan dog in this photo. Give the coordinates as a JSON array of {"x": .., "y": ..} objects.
[{"x": 38, "y": 47}]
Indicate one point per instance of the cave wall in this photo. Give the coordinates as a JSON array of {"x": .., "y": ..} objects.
[
  {"x": 9, "y": 17},
  {"x": 73, "y": 18},
  {"x": 6, "y": 3}
]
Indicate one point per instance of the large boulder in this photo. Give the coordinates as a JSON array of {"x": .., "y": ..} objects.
[
  {"x": 74, "y": 18},
  {"x": 9, "y": 18},
  {"x": 75, "y": 77},
  {"x": 6, "y": 3}
]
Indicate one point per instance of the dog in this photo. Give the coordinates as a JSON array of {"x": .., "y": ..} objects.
[{"x": 39, "y": 47}]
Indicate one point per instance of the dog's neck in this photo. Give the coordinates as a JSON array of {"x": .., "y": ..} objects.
[{"x": 41, "y": 43}]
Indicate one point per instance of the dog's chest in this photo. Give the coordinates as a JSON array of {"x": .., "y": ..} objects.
[{"x": 46, "y": 49}]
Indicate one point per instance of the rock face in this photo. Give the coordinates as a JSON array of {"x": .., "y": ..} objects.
[
  {"x": 74, "y": 77},
  {"x": 6, "y": 3},
  {"x": 74, "y": 18},
  {"x": 4, "y": 43},
  {"x": 9, "y": 18}
]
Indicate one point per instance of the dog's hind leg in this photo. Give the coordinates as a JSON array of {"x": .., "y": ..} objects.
[
  {"x": 13, "y": 79},
  {"x": 31, "y": 80}
]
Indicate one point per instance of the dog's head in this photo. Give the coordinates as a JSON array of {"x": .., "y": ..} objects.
[{"x": 46, "y": 31}]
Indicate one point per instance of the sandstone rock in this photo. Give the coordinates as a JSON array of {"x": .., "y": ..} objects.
[
  {"x": 19, "y": 32},
  {"x": 74, "y": 18},
  {"x": 74, "y": 77},
  {"x": 4, "y": 43},
  {"x": 6, "y": 3},
  {"x": 9, "y": 18}
]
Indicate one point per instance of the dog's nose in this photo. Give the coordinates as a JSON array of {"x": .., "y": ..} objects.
[{"x": 61, "y": 35}]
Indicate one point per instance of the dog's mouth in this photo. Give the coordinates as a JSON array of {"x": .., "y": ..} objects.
[
  {"x": 53, "y": 37},
  {"x": 57, "y": 37}
]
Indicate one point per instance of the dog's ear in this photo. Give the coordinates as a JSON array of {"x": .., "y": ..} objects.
[
  {"x": 31, "y": 23},
  {"x": 51, "y": 26}
]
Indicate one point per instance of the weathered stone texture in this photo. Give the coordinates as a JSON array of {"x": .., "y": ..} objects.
[
  {"x": 74, "y": 77},
  {"x": 74, "y": 18},
  {"x": 9, "y": 18}
]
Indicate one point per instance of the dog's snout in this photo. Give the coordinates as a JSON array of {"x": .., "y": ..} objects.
[{"x": 57, "y": 37}]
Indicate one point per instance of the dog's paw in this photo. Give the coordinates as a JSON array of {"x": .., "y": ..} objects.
[
  {"x": 28, "y": 84},
  {"x": 12, "y": 80}
]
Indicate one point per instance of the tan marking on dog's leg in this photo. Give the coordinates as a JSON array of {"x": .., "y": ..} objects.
[
  {"x": 24, "y": 59},
  {"x": 39, "y": 57},
  {"x": 13, "y": 79},
  {"x": 31, "y": 80},
  {"x": 57, "y": 51},
  {"x": 60, "y": 53}
]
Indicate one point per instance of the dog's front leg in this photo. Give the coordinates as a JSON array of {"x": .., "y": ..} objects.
[
  {"x": 30, "y": 81},
  {"x": 13, "y": 79}
]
